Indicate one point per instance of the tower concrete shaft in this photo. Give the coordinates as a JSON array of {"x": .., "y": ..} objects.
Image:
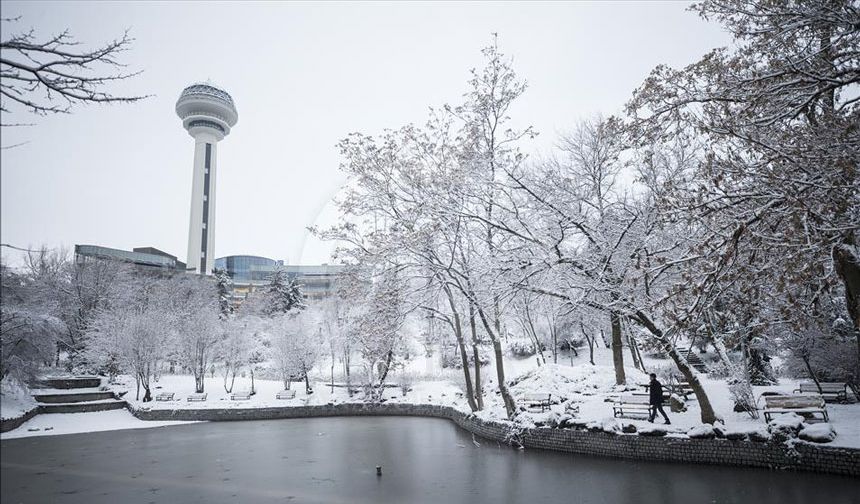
[{"x": 201, "y": 228}]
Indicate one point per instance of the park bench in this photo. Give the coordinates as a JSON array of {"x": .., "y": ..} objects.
[
  {"x": 165, "y": 396},
  {"x": 286, "y": 394},
  {"x": 805, "y": 405},
  {"x": 538, "y": 400},
  {"x": 632, "y": 404},
  {"x": 196, "y": 397},
  {"x": 242, "y": 395},
  {"x": 830, "y": 391}
]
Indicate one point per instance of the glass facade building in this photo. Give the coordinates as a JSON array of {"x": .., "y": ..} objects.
[
  {"x": 249, "y": 272},
  {"x": 248, "y": 269}
]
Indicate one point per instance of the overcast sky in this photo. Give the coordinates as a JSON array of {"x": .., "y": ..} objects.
[{"x": 303, "y": 75}]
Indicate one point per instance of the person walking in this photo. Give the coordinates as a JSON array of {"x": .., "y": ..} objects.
[{"x": 656, "y": 399}]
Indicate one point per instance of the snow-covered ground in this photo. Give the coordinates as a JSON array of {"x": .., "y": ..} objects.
[
  {"x": 74, "y": 423},
  {"x": 574, "y": 384}
]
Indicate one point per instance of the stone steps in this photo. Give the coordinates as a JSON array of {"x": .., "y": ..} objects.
[
  {"x": 75, "y": 382},
  {"x": 74, "y": 394},
  {"x": 694, "y": 360}
]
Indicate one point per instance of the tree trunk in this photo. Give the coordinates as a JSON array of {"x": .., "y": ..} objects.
[
  {"x": 346, "y": 367},
  {"x": 530, "y": 329},
  {"x": 507, "y": 398},
  {"x": 707, "y": 411},
  {"x": 253, "y": 390},
  {"x": 308, "y": 390},
  {"x": 479, "y": 394},
  {"x": 199, "y": 374},
  {"x": 458, "y": 335},
  {"x": 847, "y": 266},
  {"x": 144, "y": 381},
  {"x": 636, "y": 363},
  {"x": 228, "y": 372},
  {"x": 617, "y": 348},
  {"x": 591, "y": 351},
  {"x": 332, "y": 372},
  {"x": 812, "y": 375}
]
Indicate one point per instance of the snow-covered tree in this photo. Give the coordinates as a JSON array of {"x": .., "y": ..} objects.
[
  {"x": 245, "y": 345},
  {"x": 224, "y": 284},
  {"x": 282, "y": 295},
  {"x": 296, "y": 345},
  {"x": 773, "y": 199},
  {"x": 136, "y": 332},
  {"x": 29, "y": 326}
]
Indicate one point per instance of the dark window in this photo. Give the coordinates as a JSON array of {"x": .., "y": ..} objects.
[
  {"x": 207, "y": 165},
  {"x": 206, "y": 124}
]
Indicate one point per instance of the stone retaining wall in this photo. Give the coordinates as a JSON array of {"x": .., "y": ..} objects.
[
  {"x": 803, "y": 456},
  {"x": 8, "y": 424},
  {"x": 83, "y": 407},
  {"x": 74, "y": 397}
]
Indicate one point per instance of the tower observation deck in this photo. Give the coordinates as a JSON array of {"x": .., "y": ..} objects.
[{"x": 208, "y": 113}]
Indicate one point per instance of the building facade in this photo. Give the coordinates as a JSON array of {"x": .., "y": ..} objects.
[
  {"x": 147, "y": 257},
  {"x": 252, "y": 272}
]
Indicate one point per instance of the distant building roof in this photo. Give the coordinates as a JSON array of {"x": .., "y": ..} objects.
[{"x": 138, "y": 256}]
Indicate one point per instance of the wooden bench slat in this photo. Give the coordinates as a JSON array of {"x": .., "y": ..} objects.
[
  {"x": 632, "y": 404},
  {"x": 830, "y": 390},
  {"x": 801, "y": 403}
]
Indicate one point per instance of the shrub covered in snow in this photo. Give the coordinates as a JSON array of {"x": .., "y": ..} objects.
[
  {"x": 817, "y": 433},
  {"x": 653, "y": 430},
  {"x": 704, "y": 431},
  {"x": 607, "y": 425},
  {"x": 522, "y": 348},
  {"x": 450, "y": 357},
  {"x": 785, "y": 426},
  {"x": 15, "y": 399}
]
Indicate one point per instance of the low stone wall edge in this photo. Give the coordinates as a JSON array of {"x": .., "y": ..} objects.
[
  {"x": 800, "y": 457},
  {"x": 8, "y": 424}
]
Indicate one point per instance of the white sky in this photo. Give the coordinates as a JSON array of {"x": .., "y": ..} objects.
[{"x": 303, "y": 75}]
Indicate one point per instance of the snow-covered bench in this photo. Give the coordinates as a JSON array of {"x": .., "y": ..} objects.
[
  {"x": 241, "y": 395},
  {"x": 286, "y": 394},
  {"x": 196, "y": 397},
  {"x": 632, "y": 404},
  {"x": 538, "y": 400},
  {"x": 832, "y": 391},
  {"x": 165, "y": 396},
  {"x": 806, "y": 405}
]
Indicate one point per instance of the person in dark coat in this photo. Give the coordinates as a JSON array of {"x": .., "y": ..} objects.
[{"x": 656, "y": 399}]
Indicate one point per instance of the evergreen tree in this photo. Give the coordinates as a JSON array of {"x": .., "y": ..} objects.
[
  {"x": 283, "y": 294},
  {"x": 224, "y": 284}
]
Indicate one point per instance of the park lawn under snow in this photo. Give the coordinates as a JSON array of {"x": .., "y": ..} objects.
[{"x": 588, "y": 387}]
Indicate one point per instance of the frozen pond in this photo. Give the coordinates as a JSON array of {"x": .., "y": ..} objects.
[{"x": 333, "y": 460}]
